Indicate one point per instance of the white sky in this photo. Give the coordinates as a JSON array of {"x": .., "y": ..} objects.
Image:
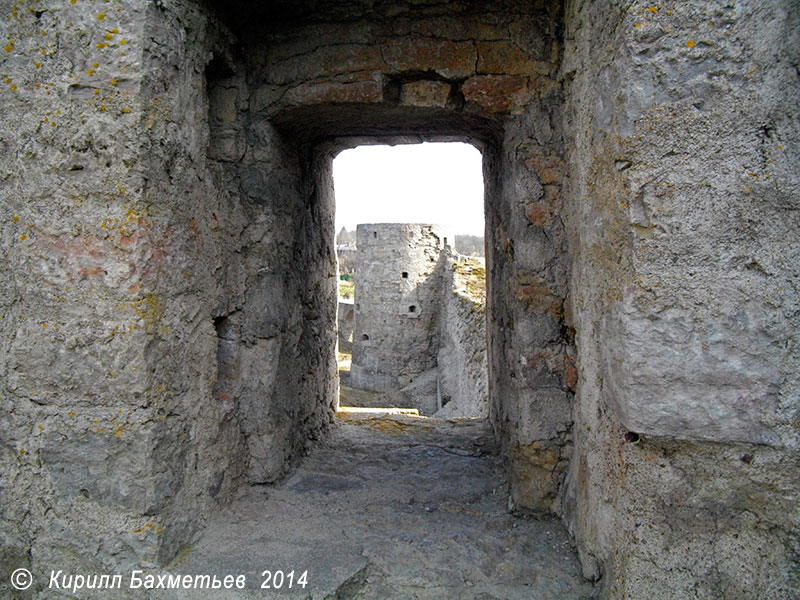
[{"x": 411, "y": 183}]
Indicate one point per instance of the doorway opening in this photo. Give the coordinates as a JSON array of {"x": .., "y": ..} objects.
[{"x": 412, "y": 280}]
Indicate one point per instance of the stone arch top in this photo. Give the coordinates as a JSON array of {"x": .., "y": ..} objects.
[{"x": 440, "y": 68}]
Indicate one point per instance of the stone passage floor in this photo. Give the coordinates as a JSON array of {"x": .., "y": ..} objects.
[
  {"x": 350, "y": 396},
  {"x": 391, "y": 507}
]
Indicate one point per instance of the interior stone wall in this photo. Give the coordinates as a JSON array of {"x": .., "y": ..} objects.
[
  {"x": 169, "y": 279},
  {"x": 682, "y": 129},
  {"x": 97, "y": 271},
  {"x": 169, "y": 285},
  {"x": 332, "y": 77}
]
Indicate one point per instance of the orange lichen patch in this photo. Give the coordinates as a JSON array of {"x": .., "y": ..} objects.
[
  {"x": 548, "y": 168},
  {"x": 387, "y": 426},
  {"x": 23, "y": 237},
  {"x": 690, "y": 44},
  {"x": 10, "y": 46},
  {"x": 16, "y": 218},
  {"x": 538, "y": 214},
  {"x": 101, "y": 16},
  {"x": 536, "y": 293},
  {"x": 101, "y": 45},
  {"x": 653, "y": 9}
]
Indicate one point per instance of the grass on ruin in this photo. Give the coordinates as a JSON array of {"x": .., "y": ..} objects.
[
  {"x": 347, "y": 289},
  {"x": 472, "y": 275}
]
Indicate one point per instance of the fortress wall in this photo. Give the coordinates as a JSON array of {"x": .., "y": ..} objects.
[{"x": 682, "y": 129}]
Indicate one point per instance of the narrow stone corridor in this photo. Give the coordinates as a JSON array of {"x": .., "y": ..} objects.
[{"x": 390, "y": 506}]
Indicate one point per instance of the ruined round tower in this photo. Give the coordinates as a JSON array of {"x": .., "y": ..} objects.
[{"x": 396, "y": 303}]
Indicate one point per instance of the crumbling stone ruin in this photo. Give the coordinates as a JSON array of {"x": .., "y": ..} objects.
[
  {"x": 168, "y": 281},
  {"x": 416, "y": 328},
  {"x": 396, "y": 304},
  {"x": 345, "y": 318}
]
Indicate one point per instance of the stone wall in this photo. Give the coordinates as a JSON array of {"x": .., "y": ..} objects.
[
  {"x": 188, "y": 203},
  {"x": 396, "y": 305},
  {"x": 461, "y": 362},
  {"x": 345, "y": 320},
  {"x": 157, "y": 347},
  {"x": 169, "y": 280},
  {"x": 420, "y": 326},
  {"x": 682, "y": 125}
]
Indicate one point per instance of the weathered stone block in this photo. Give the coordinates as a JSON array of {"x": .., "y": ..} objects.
[
  {"x": 544, "y": 413},
  {"x": 225, "y": 147},
  {"x": 425, "y": 93},
  {"x": 222, "y": 103},
  {"x": 503, "y": 58},
  {"x": 668, "y": 375},
  {"x": 332, "y": 92},
  {"x": 538, "y": 295},
  {"x": 135, "y": 470},
  {"x": 533, "y": 476},
  {"x": 326, "y": 61},
  {"x": 497, "y": 93},
  {"x": 448, "y": 59}
]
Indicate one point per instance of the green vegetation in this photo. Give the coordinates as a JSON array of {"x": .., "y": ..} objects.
[
  {"x": 347, "y": 289},
  {"x": 472, "y": 276}
]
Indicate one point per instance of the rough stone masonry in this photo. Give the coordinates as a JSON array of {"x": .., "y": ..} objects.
[
  {"x": 168, "y": 281},
  {"x": 419, "y": 320}
]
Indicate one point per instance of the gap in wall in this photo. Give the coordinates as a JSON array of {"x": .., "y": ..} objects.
[{"x": 412, "y": 278}]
